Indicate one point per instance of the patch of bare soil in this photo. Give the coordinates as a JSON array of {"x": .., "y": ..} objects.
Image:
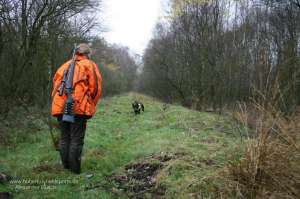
[
  {"x": 5, "y": 195},
  {"x": 139, "y": 179}
]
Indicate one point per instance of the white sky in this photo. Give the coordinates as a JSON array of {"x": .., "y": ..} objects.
[{"x": 131, "y": 22}]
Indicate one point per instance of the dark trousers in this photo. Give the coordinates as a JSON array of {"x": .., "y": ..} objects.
[{"x": 71, "y": 143}]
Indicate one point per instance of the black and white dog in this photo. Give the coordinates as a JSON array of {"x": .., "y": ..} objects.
[{"x": 137, "y": 107}]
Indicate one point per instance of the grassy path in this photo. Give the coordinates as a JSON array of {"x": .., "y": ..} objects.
[{"x": 187, "y": 148}]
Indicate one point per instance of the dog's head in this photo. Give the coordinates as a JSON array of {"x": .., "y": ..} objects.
[{"x": 135, "y": 105}]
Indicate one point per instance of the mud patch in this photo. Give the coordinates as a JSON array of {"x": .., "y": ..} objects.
[
  {"x": 5, "y": 195},
  {"x": 139, "y": 179}
]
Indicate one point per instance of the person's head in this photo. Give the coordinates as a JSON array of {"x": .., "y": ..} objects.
[{"x": 84, "y": 49}]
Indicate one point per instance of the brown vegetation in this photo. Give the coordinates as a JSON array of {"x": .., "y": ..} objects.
[{"x": 270, "y": 166}]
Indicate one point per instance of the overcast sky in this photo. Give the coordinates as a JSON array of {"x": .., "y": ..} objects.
[{"x": 131, "y": 22}]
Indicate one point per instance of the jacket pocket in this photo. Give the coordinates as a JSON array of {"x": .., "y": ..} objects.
[{"x": 58, "y": 103}]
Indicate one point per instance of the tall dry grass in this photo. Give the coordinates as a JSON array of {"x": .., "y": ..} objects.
[{"x": 270, "y": 165}]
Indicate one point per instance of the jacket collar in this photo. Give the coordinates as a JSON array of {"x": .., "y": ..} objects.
[{"x": 80, "y": 57}]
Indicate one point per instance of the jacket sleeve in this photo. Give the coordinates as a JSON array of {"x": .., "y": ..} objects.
[
  {"x": 56, "y": 82},
  {"x": 95, "y": 83}
]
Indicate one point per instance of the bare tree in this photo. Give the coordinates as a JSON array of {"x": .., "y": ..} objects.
[{"x": 210, "y": 58}]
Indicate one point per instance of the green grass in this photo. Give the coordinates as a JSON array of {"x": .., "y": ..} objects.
[{"x": 115, "y": 137}]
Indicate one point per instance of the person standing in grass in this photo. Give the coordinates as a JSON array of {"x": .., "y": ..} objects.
[{"x": 86, "y": 92}]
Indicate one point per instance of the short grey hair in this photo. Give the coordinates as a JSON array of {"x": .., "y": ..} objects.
[{"x": 84, "y": 49}]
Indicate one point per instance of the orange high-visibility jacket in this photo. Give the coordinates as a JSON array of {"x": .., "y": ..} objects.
[{"x": 87, "y": 87}]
